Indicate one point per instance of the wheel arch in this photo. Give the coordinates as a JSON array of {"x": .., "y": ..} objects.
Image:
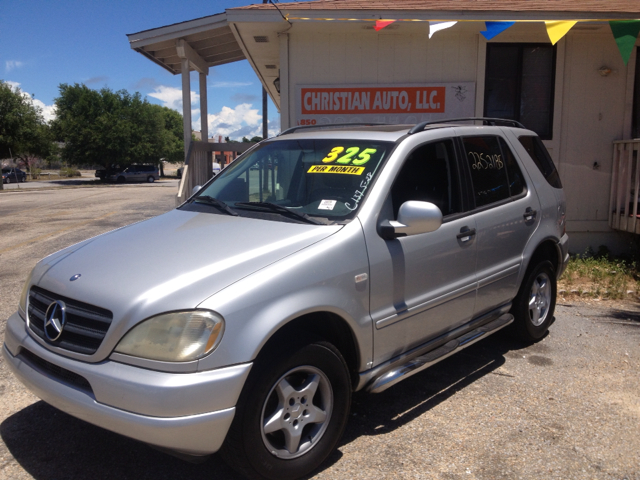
[
  {"x": 548, "y": 249},
  {"x": 321, "y": 325}
]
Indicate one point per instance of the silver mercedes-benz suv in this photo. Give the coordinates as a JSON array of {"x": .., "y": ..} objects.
[{"x": 347, "y": 258}]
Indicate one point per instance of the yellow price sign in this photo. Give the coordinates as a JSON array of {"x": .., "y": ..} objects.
[
  {"x": 348, "y": 159},
  {"x": 343, "y": 169}
]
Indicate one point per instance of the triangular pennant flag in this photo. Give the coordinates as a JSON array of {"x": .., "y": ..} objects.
[
  {"x": 495, "y": 28},
  {"x": 557, "y": 30},
  {"x": 437, "y": 26},
  {"x": 625, "y": 32},
  {"x": 380, "y": 24}
]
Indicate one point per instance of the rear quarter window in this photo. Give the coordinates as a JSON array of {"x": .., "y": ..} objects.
[{"x": 540, "y": 156}]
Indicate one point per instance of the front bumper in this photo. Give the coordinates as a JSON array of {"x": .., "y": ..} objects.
[{"x": 186, "y": 412}]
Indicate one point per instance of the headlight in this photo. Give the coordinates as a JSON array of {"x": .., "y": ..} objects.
[
  {"x": 22, "y": 306},
  {"x": 174, "y": 337}
]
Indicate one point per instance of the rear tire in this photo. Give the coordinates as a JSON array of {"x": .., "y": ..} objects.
[
  {"x": 291, "y": 413},
  {"x": 150, "y": 179},
  {"x": 535, "y": 303}
]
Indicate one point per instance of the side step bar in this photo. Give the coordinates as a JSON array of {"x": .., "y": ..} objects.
[{"x": 418, "y": 364}]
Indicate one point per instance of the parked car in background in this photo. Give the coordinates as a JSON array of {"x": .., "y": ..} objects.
[
  {"x": 136, "y": 173},
  {"x": 368, "y": 254},
  {"x": 13, "y": 175},
  {"x": 216, "y": 170},
  {"x": 103, "y": 173}
]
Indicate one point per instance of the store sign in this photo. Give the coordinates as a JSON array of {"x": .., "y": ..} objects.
[{"x": 321, "y": 105}]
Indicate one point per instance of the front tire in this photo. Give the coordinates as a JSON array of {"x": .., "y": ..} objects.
[
  {"x": 535, "y": 303},
  {"x": 291, "y": 414}
]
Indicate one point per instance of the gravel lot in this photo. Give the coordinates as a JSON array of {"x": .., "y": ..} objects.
[{"x": 567, "y": 407}]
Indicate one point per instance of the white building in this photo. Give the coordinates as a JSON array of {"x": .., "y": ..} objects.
[{"x": 324, "y": 61}]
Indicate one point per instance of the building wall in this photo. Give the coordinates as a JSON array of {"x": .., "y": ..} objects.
[
  {"x": 593, "y": 116},
  {"x": 589, "y": 112}
]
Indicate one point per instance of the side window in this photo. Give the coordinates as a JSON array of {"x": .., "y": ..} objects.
[
  {"x": 538, "y": 152},
  {"x": 495, "y": 174},
  {"x": 514, "y": 174},
  {"x": 429, "y": 174}
]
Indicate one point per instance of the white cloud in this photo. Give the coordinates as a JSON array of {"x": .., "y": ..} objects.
[
  {"x": 48, "y": 111},
  {"x": 172, "y": 97},
  {"x": 238, "y": 122},
  {"x": 230, "y": 122},
  {"x": 11, "y": 64}
]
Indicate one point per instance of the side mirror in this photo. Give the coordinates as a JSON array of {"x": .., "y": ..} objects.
[
  {"x": 414, "y": 218},
  {"x": 196, "y": 189}
]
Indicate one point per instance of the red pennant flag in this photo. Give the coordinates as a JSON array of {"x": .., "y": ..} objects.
[{"x": 380, "y": 24}]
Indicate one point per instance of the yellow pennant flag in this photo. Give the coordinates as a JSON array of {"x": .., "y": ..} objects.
[{"x": 557, "y": 30}]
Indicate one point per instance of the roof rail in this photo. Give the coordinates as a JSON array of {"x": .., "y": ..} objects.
[
  {"x": 330, "y": 125},
  {"x": 485, "y": 121}
]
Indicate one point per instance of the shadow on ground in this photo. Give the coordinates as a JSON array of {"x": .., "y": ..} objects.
[{"x": 50, "y": 444}]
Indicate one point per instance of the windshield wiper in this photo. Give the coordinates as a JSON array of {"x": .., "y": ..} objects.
[
  {"x": 216, "y": 203},
  {"x": 273, "y": 207}
]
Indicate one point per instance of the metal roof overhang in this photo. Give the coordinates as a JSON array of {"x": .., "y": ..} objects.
[{"x": 210, "y": 38}]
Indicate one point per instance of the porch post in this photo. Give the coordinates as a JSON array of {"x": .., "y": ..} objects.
[
  {"x": 186, "y": 105},
  {"x": 204, "y": 122}
]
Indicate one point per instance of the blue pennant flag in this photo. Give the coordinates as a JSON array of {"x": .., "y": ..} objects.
[{"x": 495, "y": 28}]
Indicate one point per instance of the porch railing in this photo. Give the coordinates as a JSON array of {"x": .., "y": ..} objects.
[
  {"x": 198, "y": 167},
  {"x": 625, "y": 187}
]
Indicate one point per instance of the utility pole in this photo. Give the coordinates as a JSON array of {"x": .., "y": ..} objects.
[{"x": 265, "y": 116}]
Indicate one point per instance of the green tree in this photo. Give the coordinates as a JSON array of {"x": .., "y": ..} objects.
[
  {"x": 106, "y": 127},
  {"x": 23, "y": 130}
]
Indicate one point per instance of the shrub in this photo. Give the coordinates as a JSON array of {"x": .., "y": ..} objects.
[{"x": 69, "y": 172}]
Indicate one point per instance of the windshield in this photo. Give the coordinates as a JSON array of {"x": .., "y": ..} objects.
[{"x": 318, "y": 178}]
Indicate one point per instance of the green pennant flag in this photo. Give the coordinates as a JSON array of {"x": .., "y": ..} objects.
[{"x": 625, "y": 32}]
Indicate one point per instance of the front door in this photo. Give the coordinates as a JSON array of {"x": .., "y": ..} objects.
[{"x": 423, "y": 285}]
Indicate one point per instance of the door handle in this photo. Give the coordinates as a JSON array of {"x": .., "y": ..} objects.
[
  {"x": 466, "y": 233},
  {"x": 529, "y": 214}
]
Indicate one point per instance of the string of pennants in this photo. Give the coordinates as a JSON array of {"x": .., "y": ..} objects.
[{"x": 625, "y": 32}]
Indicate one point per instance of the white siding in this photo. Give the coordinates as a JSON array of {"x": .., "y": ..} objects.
[
  {"x": 593, "y": 117},
  {"x": 369, "y": 57}
]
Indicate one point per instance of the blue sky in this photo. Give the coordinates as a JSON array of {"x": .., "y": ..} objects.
[{"x": 45, "y": 43}]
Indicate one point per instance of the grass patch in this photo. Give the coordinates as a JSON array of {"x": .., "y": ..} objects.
[{"x": 600, "y": 276}]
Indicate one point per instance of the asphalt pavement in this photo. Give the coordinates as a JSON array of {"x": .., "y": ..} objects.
[{"x": 567, "y": 407}]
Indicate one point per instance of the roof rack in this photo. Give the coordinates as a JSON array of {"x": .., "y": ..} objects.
[
  {"x": 485, "y": 121},
  {"x": 330, "y": 125}
]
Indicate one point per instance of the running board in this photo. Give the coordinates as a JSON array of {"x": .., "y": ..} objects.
[{"x": 418, "y": 364}]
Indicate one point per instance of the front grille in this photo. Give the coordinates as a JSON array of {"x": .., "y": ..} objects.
[
  {"x": 59, "y": 373},
  {"x": 85, "y": 327}
]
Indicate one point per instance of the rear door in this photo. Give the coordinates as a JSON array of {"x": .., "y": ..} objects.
[{"x": 507, "y": 213}]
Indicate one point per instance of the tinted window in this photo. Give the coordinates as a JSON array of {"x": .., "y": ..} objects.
[
  {"x": 542, "y": 159},
  {"x": 429, "y": 175},
  {"x": 488, "y": 173},
  {"x": 514, "y": 174},
  {"x": 519, "y": 84}
]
